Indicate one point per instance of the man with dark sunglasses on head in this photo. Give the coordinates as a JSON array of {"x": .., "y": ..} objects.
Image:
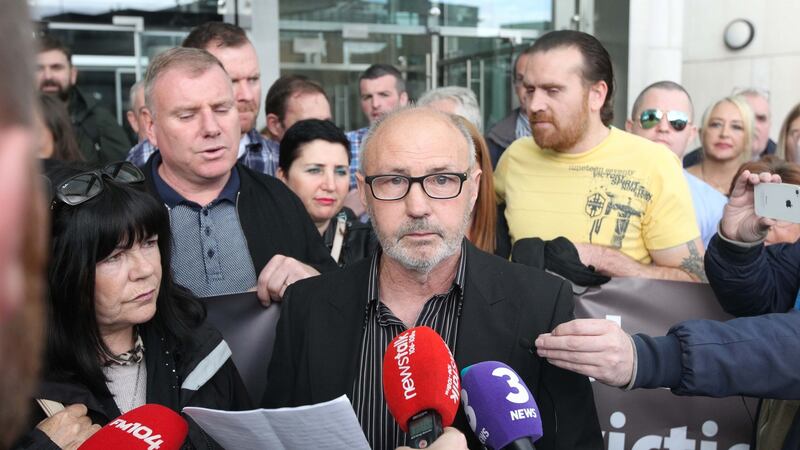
[
  {"x": 621, "y": 199},
  {"x": 663, "y": 113}
]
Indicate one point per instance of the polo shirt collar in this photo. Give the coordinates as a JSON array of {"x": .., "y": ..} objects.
[{"x": 172, "y": 198}]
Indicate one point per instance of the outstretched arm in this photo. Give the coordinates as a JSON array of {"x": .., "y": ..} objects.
[{"x": 683, "y": 262}]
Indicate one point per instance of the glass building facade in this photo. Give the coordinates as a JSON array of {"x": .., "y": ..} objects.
[{"x": 468, "y": 43}]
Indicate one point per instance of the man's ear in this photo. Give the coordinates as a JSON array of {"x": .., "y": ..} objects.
[
  {"x": 403, "y": 98},
  {"x": 131, "y": 116},
  {"x": 274, "y": 127},
  {"x": 692, "y": 133},
  {"x": 281, "y": 175},
  {"x": 149, "y": 126},
  {"x": 361, "y": 185},
  {"x": 475, "y": 176},
  {"x": 597, "y": 95},
  {"x": 73, "y": 75}
]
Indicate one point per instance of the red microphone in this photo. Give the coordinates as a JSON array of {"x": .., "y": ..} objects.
[
  {"x": 421, "y": 384},
  {"x": 148, "y": 427}
]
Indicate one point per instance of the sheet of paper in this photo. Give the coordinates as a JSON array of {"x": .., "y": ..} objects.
[{"x": 329, "y": 425}]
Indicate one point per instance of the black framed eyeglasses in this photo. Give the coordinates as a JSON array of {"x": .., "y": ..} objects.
[
  {"x": 88, "y": 185},
  {"x": 440, "y": 186},
  {"x": 651, "y": 117}
]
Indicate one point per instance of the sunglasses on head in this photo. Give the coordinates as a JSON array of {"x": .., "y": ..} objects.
[
  {"x": 88, "y": 185},
  {"x": 651, "y": 117}
]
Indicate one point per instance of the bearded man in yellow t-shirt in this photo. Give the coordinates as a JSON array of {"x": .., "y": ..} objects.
[{"x": 621, "y": 199}]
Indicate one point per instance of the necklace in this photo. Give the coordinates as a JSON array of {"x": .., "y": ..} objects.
[{"x": 135, "y": 386}]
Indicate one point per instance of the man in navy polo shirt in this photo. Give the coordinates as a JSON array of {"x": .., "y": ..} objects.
[{"x": 234, "y": 229}]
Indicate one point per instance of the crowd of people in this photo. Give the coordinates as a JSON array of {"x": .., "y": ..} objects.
[{"x": 362, "y": 234}]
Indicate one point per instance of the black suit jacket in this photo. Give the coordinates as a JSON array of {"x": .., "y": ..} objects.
[{"x": 506, "y": 306}]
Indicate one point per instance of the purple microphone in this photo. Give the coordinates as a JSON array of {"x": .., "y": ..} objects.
[{"x": 499, "y": 407}]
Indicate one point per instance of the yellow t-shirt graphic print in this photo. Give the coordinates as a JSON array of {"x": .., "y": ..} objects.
[{"x": 626, "y": 193}]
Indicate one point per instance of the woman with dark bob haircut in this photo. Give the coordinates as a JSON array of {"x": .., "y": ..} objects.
[
  {"x": 315, "y": 164},
  {"x": 121, "y": 333}
]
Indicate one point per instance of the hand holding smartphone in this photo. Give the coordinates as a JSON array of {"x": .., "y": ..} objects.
[{"x": 778, "y": 201}]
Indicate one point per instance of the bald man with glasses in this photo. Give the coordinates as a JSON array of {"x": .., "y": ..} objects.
[{"x": 418, "y": 180}]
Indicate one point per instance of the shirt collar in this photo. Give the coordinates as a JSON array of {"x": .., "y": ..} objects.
[
  {"x": 523, "y": 125},
  {"x": 253, "y": 137},
  {"x": 244, "y": 143},
  {"x": 172, "y": 198},
  {"x": 253, "y": 141},
  {"x": 145, "y": 143}
]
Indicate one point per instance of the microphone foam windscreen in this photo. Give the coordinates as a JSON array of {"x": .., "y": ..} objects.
[
  {"x": 148, "y": 427},
  {"x": 499, "y": 406},
  {"x": 419, "y": 373}
]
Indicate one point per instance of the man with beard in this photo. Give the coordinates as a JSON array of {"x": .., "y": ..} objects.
[
  {"x": 22, "y": 240},
  {"x": 418, "y": 180},
  {"x": 100, "y": 138},
  {"x": 621, "y": 199}
]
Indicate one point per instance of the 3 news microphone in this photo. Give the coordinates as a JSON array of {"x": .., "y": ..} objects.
[
  {"x": 499, "y": 407},
  {"x": 420, "y": 384},
  {"x": 148, "y": 427}
]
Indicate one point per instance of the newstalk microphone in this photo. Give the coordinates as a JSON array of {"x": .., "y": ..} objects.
[
  {"x": 499, "y": 407},
  {"x": 420, "y": 384},
  {"x": 148, "y": 427}
]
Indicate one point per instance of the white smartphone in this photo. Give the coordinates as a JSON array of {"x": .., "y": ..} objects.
[{"x": 779, "y": 201}]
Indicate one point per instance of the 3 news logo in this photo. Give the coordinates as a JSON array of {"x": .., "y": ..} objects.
[{"x": 499, "y": 407}]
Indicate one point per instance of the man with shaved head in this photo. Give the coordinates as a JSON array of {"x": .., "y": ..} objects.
[
  {"x": 663, "y": 113},
  {"x": 418, "y": 181}
]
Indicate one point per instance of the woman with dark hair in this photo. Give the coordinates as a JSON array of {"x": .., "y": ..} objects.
[
  {"x": 315, "y": 163},
  {"x": 57, "y": 139},
  {"x": 120, "y": 332}
]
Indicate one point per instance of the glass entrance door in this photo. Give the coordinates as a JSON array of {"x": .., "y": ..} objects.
[{"x": 466, "y": 43}]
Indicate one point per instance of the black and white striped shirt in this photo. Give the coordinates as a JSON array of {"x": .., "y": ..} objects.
[{"x": 441, "y": 312}]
